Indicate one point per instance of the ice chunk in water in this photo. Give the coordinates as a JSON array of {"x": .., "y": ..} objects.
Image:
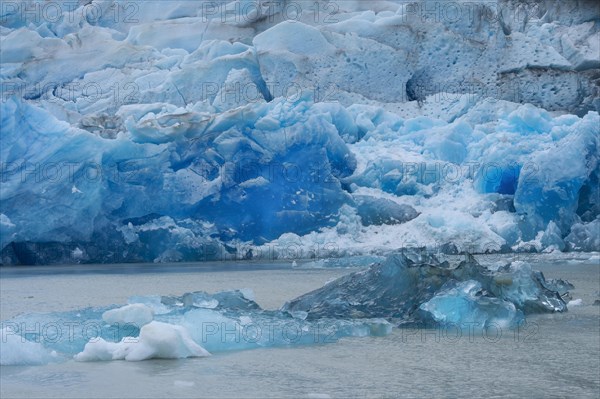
[
  {"x": 466, "y": 302},
  {"x": 16, "y": 350},
  {"x": 575, "y": 302},
  {"x": 185, "y": 326},
  {"x": 407, "y": 288},
  {"x": 397, "y": 287},
  {"x": 237, "y": 300},
  {"x": 156, "y": 340}
]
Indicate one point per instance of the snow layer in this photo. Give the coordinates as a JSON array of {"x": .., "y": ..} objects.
[{"x": 192, "y": 131}]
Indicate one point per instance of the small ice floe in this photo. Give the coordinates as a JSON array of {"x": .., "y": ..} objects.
[
  {"x": 16, "y": 350},
  {"x": 157, "y": 340},
  {"x": 77, "y": 253},
  {"x": 575, "y": 302}
]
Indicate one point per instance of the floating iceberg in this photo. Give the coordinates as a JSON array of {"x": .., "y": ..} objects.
[
  {"x": 415, "y": 288},
  {"x": 192, "y": 325},
  {"x": 407, "y": 289},
  {"x": 156, "y": 340},
  {"x": 467, "y": 303},
  {"x": 16, "y": 350}
]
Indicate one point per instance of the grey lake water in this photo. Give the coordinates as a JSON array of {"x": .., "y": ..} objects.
[{"x": 557, "y": 355}]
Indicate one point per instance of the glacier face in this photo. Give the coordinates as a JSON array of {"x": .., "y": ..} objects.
[{"x": 192, "y": 130}]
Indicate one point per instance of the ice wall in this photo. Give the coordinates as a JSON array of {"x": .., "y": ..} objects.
[{"x": 217, "y": 130}]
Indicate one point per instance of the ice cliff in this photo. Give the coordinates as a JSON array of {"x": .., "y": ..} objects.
[{"x": 171, "y": 131}]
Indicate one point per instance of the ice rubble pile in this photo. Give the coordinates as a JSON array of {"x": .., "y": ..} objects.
[
  {"x": 410, "y": 289},
  {"x": 175, "y": 131}
]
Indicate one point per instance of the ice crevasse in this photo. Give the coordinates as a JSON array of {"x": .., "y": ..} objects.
[{"x": 358, "y": 135}]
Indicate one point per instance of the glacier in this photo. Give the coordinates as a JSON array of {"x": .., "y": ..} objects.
[
  {"x": 408, "y": 289},
  {"x": 188, "y": 131}
]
